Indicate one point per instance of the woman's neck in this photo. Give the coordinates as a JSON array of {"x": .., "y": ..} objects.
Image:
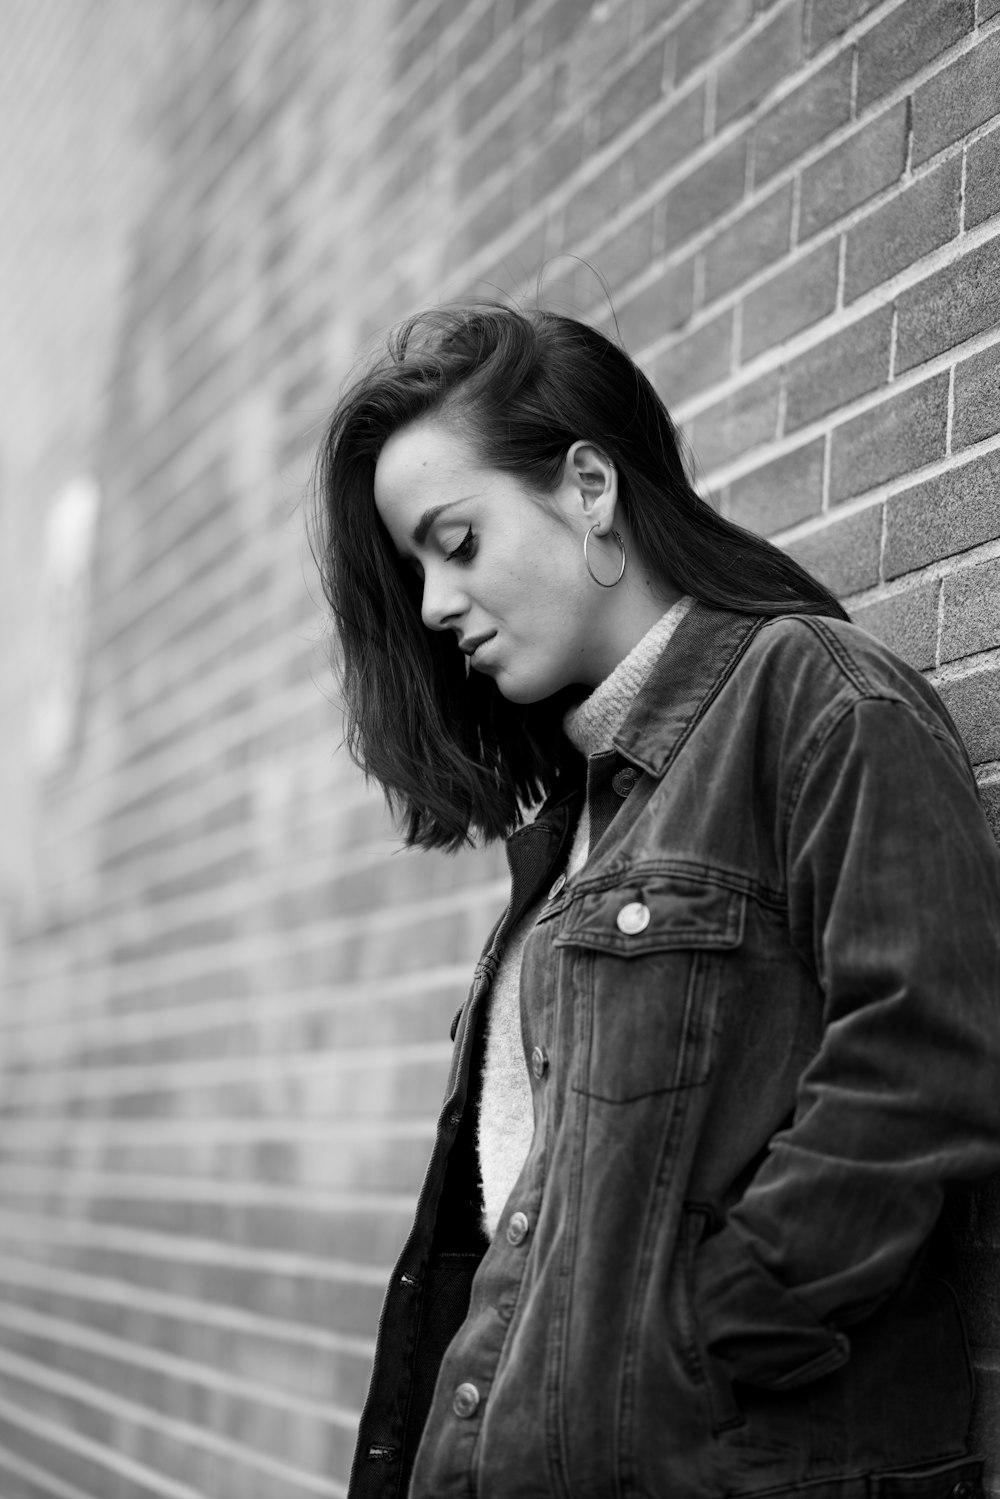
[{"x": 592, "y": 724}]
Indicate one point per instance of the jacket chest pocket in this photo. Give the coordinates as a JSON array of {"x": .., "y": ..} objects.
[{"x": 647, "y": 961}]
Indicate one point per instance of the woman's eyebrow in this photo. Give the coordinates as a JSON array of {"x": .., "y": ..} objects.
[{"x": 428, "y": 518}]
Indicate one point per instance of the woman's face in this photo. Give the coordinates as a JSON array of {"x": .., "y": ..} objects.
[{"x": 501, "y": 567}]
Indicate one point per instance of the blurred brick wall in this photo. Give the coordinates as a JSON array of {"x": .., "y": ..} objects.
[{"x": 225, "y": 1006}]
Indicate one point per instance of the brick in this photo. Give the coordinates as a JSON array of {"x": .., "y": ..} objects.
[
  {"x": 761, "y": 63},
  {"x": 844, "y": 555},
  {"x": 581, "y": 288},
  {"x": 903, "y": 230},
  {"x": 854, "y": 171},
  {"x": 781, "y": 493},
  {"x": 476, "y": 39},
  {"x": 956, "y": 100},
  {"x": 758, "y": 237},
  {"x": 595, "y": 201},
  {"x": 399, "y": 125},
  {"x": 656, "y": 11},
  {"x": 557, "y": 161},
  {"x": 846, "y": 366},
  {"x": 696, "y": 361},
  {"x": 667, "y": 141},
  {"x": 706, "y": 194},
  {"x": 977, "y": 399},
  {"x": 701, "y": 34},
  {"x": 956, "y": 303},
  {"x": 628, "y": 252},
  {"x": 943, "y": 516},
  {"x": 907, "y": 624},
  {"x": 492, "y": 219},
  {"x": 797, "y": 295},
  {"x": 411, "y": 169},
  {"x": 65, "y": 1469},
  {"x": 635, "y": 91},
  {"x": 830, "y": 18},
  {"x": 596, "y": 52},
  {"x": 813, "y": 111},
  {"x": 666, "y": 303},
  {"x": 899, "y": 435},
  {"x": 972, "y": 701},
  {"x": 501, "y": 78},
  {"x": 971, "y": 611},
  {"x": 491, "y": 154},
  {"x": 909, "y": 37},
  {"x": 982, "y": 180},
  {"x": 737, "y": 424},
  {"x": 424, "y": 38},
  {"x": 558, "y": 24},
  {"x": 517, "y": 265}
]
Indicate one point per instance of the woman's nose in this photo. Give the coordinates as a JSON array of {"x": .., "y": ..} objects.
[{"x": 443, "y": 602}]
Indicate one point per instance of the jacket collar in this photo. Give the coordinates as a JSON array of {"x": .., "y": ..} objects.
[{"x": 697, "y": 660}]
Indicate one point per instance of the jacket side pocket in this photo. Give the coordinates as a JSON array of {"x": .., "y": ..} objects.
[{"x": 724, "y": 1409}]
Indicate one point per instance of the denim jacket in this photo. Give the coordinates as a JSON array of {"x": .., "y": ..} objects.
[{"x": 762, "y": 1027}]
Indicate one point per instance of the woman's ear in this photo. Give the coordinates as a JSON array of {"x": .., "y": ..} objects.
[{"x": 592, "y": 483}]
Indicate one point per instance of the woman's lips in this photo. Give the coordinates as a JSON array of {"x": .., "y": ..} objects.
[{"x": 474, "y": 649}]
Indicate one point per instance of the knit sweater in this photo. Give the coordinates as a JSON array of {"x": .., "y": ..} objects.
[{"x": 506, "y": 1119}]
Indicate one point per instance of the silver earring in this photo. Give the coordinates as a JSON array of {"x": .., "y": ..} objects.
[{"x": 586, "y": 558}]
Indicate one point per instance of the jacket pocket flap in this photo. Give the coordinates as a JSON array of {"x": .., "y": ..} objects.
[{"x": 655, "y": 915}]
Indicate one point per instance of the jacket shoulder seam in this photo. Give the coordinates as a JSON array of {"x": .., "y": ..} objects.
[{"x": 840, "y": 655}]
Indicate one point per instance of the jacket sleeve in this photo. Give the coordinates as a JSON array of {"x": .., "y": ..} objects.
[{"x": 894, "y": 902}]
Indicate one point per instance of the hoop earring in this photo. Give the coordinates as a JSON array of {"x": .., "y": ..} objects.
[{"x": 586, "y": 558}]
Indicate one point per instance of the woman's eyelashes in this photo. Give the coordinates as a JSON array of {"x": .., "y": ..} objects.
[{"x": 466, "y": 549}]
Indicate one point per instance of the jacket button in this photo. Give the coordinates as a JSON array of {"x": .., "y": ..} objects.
[
  {"x": 465, "y": 1401},
  {"x": 633, "y": 918},
  {"x": 517, "y": 1229},
  {"x": 623, "y": 780},
  {"x": 539, "y": 1062},
  {"x": 963, "y": 1490},
  {"x": 560, "y": 882}
]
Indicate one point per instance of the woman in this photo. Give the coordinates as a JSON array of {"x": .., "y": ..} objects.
[{"x": 736, "y": 1035}]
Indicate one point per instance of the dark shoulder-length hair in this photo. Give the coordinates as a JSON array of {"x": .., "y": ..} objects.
[{"x": 455, "y": 759}]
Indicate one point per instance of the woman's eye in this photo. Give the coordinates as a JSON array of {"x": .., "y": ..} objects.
[{"x": 466, "y": 549}]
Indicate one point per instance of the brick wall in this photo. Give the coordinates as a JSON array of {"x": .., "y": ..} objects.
[{"x": 225, "y": 1005}]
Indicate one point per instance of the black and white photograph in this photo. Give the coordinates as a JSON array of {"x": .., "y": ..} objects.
[{"x": 499, "y": 749}]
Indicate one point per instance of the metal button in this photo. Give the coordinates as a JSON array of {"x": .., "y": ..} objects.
[
  {"x": 633, "y": 918},
  {"x": 539, "y": 1061},
  {"x": 560, "y": 882},
  {"x": 963, "y": 1490},
  {"x": 517, "y": 1229},
  {"x": 623, "y": 780},
  {"x": 465, "y": 1401}
]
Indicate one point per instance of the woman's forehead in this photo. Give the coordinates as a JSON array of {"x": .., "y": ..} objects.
[{"x": 423, "y": 452}]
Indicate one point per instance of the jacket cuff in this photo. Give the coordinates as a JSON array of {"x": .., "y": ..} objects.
[{"x": 759, "y": 1330}]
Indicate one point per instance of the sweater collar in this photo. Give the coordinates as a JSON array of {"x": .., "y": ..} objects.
[{"x": 591, "y": 725}]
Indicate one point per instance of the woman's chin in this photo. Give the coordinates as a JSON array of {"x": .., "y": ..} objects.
[
  {"x": 516, "y": 690},
  {"x": 523, "y": 693}
]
